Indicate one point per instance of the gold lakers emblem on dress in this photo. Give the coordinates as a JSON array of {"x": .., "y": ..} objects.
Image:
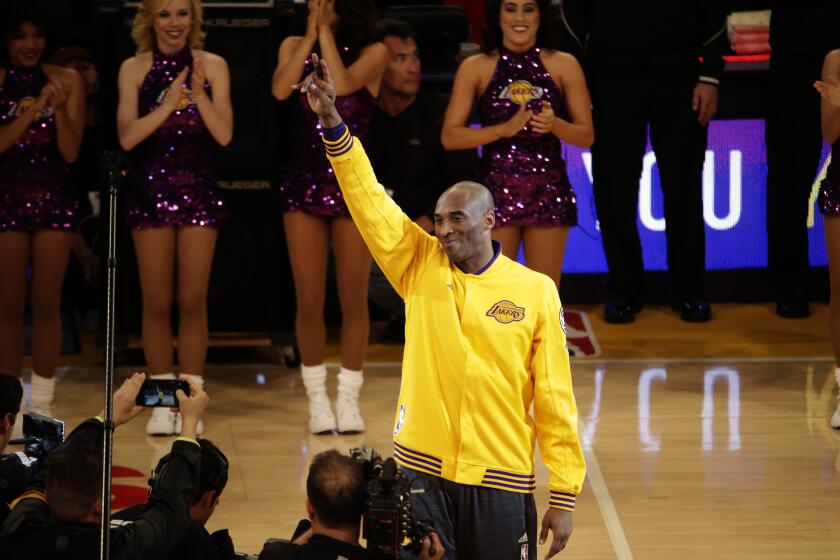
[
  {"x": 184, "y": 100},
  {"x": 521, "y": 92},
  {"x": 506, "y": 312},
  {"x": 20, "y": 107}
]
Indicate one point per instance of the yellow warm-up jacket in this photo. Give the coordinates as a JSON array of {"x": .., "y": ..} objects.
[{"x": 480, "y": 349}]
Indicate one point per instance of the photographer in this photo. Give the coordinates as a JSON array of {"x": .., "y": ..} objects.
[
  {"x": 59, "y": 517},
  {"x": 14, "y": 470},
  {"x": 196, "y": 543},
  {"x": 335, "y": 501}
]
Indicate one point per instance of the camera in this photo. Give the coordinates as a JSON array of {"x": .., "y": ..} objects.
[
  {"x": 41, "y": 435},
  {"x": 389, "y": 526}
]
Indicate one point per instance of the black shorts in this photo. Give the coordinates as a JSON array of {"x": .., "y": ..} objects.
[{"x": 477, "y": 523}]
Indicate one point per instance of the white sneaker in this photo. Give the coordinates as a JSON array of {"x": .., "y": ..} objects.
[
  {"x": 321, "y": 417},
  {"x": 350, "y": 419},
  {"x": 199, "y": 428},
  {"x": 835, "y": 418},
  {"x": 161, "y": 423}
]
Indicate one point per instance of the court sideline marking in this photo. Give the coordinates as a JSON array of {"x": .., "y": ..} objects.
[{"x": 602, "y": 495}]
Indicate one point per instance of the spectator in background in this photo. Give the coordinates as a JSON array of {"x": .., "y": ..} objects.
[
  {"x": 405, "y": 150},
  {"x": 801, "y": 34},
  {"x": 643, "y": 68}
]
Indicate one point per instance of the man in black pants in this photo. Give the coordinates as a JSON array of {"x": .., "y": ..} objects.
[
  {"x": 801, "y": 33},
  {"x": 642, "y": 66}
]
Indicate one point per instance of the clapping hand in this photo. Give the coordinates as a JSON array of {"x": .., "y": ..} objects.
[{"x": 173, "y": 94}]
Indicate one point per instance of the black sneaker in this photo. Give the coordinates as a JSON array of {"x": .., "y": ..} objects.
[
  {"x": 792, "y": 307},
  {"x": 620, "y": 312},
  {"x": 695, "y": 310}
]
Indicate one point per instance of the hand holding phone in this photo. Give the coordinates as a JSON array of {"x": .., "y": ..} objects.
[{"x": 161, "y": 393}]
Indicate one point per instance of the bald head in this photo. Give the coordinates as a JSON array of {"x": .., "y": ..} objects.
[
  {"x": 474, "y": 196},
  {"x": 464, "y": 219}
]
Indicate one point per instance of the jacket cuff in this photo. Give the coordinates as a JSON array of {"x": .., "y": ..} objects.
[
  {"x": 340, "y": 145},
  {"x": 335, "y": 133},
  {"x": 562, "y": 500}
]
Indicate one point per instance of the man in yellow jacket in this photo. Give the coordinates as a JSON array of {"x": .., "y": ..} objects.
[{"x": 484, "y": 342}]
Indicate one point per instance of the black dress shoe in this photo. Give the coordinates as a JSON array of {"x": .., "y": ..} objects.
[
  {"x": 792, "y": 307},
  {"x": 620, "y": 312},
  {"x": 695, "y": 310}
]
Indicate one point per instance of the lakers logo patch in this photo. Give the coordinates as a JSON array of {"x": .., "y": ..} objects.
[
  {"x": 25, "y": 103},
  {"x": 184, "y": 101},
  {"x": 506, "y": 312},
  {"x": 521, "y": 92}
]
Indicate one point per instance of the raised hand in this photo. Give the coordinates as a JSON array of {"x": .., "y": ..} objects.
[
  {"x": 124, "y": 406},
  {"x": 516, "y": 123},
  {"x": 312, "y": 18},
  {"x": 173, "y": 94},
  {"x": 543, "y": 122},
  {"x": 325, "y": 11},
  {"x": 829, "y": 90},
  {"x": 320, "y": 92},
  {"x": 192, "y": 407}
]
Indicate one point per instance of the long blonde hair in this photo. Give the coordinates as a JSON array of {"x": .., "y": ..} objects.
[{"x": 144, "y": 35}]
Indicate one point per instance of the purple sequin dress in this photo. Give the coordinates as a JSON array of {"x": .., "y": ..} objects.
[
  {"x": 311, "y": 186},
  {"x": 175, "y": 163},
  {"x": 525, "y": 173},
  {"x": 35, "y": 187},
  {"x": 829, "y": 199}
]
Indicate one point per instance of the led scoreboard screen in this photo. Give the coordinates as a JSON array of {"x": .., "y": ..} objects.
[{"x": 734, "y": 199}]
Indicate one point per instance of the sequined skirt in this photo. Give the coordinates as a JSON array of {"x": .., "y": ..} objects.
[
  {"x": 313, "y": 192},
  {"x": 829, "y": 197},
  {"x": 32, "y": 207},
  {"x": 531, "y": 199},
  {"x": 179, "y": 205}
]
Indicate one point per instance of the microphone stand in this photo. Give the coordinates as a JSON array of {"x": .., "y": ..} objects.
[{"x": 117, "y": 169}]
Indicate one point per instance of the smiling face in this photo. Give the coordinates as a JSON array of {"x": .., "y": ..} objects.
[
  {"x": 519, "y": 21},
  {"x": 463, "y": 223},
  {"x": 172, "y": 21},
  {"x": 26, "y": 44}
]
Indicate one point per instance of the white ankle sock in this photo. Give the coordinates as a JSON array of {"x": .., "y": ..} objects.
[
  {"x": 42, "y": 391},
  {"x": 350, "y": 382},
  {"x": 167, "y": 375},
  {"x": 314, "y": 378}
]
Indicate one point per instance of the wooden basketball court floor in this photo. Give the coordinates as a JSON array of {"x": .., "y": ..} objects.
[{"x": 702, "y": 441}]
